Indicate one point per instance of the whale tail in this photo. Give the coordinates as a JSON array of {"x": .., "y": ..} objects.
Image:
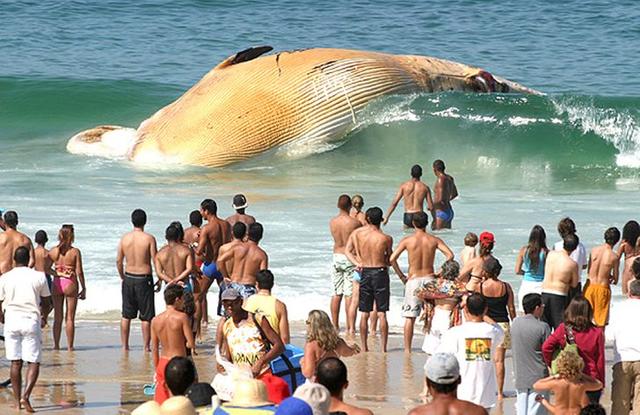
[{"x": 110, "y": 141}]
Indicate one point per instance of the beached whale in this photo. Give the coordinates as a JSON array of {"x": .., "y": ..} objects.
[{"x": 251, "y": 103}]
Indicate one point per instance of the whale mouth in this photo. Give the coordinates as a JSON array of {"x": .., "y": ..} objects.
[{"x": 110, "y": 141}]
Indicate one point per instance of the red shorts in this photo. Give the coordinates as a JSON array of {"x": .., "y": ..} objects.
[{"x": 162, "y": 391}]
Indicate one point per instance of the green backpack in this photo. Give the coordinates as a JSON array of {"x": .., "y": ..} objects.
[{"x": 569, "y": 346}]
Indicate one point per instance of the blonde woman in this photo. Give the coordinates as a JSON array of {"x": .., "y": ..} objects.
[
  {"x": 322, "y": 341},
  {"x": 68, "y": 272}
]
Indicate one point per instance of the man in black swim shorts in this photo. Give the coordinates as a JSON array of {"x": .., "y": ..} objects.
[
  {"x": 369, "y": 249},
  {"x": 414, "y": 193}
]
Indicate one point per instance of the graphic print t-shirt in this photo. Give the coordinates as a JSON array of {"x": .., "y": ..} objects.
[{"x": 474, "y": 345}]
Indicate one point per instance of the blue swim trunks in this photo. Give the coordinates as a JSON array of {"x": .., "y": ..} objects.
[
  {"x": 210, "y": 270},
  {"x": 445, "y": 215}
]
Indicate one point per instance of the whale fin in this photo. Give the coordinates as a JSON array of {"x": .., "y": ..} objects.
[{"x": 244, "y": 56}]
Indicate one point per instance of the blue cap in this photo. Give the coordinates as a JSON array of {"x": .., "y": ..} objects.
[{"x": 294, "y": 406}]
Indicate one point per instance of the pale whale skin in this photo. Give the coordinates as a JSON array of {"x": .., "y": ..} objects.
[{"x": 250, "y": 104}]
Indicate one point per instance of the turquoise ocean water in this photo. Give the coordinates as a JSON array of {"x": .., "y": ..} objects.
[{"x": 70, "y": 65}]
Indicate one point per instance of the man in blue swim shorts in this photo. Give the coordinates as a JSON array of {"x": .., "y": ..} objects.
[
  {"x": 444, "y": 192},
  {"x": 213, "y": 235}
]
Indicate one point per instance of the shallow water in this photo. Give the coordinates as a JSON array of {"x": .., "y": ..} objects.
[{"x": 518, "y": 161}]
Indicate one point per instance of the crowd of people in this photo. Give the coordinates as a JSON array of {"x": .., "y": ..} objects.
[{"x": 470, "y": 315}]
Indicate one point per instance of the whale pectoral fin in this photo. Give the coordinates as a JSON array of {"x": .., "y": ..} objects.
[{"x": 244, "y": 56}]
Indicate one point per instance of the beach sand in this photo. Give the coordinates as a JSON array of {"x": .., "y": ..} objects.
[{"x": 99, "y": 378}]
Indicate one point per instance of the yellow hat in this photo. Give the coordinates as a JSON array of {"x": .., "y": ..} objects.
[
  {"x": 147, "y": 408},
  {"x": 178, "y": 405},
  {"x": 249, "y": 393}
]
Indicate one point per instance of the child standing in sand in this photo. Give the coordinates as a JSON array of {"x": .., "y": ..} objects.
[{"x": 469, "y": 250}]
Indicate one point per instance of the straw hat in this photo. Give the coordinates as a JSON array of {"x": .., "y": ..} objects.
[
  {"x": 249, "y": 393},
  {"x": 178, "y": 405},
  {"x": 147, "y": 408}
]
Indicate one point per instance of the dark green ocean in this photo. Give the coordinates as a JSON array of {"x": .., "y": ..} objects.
[{"x": 67, "y": 66}]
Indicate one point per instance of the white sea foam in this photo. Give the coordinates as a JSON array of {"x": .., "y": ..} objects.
[{"x": 621, "y": 129}]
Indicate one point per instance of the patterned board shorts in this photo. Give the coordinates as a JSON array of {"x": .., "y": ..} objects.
[
  {"x": 342, "y": 275},
  {"x": 412, "y": 305}
]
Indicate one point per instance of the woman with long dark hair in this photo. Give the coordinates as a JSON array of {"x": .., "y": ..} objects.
[
  {"x": 530, "y": 263},
  {"x": 578, "y": 329},
  {"x": 630, "y": 249},
  {"x": 68, "y": 275}
]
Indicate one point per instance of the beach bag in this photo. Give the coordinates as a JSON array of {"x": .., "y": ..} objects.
[
  {"x": 569, "y": 345},
  {"x": 287, "y": 365}
]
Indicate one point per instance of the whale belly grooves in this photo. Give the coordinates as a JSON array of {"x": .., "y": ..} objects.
[{"x": 250, "y": 104}]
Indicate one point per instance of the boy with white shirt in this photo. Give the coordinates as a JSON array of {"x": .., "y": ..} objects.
[
  {"x": 25, "y": 296},
  {"x": 474, "y": 344}
]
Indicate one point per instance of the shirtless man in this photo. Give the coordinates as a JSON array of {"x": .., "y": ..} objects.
[
  {"x": 174, "y": 261},
  {"x": 238, "y": 231},
  {"x": 561, "y": 274},
  {"x": 331, "y": 373},
  {"x": 341, "y": 227},
  {"x": 10, "y": 240},
  {"x": 240, "y": 204},
  {"x": 445, "y": 191},
  {"x": 369, "y": 249},
  {"x": 414, "y": 192},
  {"x": 247, "y": 259},
  {"x": 213, "y": 235},
  {"x": 421, "y": 248},
  {"x": 443, "y": 377},
  {"x": 569, "y": 386},
  {"x": 43, "y": 263},
  {"x": 171, "y": 331},
  {"x": 192, "y": 233},
  {"x": 604, "y": 264},
  {"x": 138, "y": 249}
]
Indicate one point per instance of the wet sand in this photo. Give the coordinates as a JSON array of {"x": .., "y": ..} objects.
[{"x": 99, "y": 378}]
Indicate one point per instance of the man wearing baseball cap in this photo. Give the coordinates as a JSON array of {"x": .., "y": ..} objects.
[
  {"x": 443, "y": 377},
  {"x": 240, "y": 204}
]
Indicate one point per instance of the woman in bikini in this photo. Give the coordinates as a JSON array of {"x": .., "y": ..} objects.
[
  {"x": 630, "y": 248},
  {"x": 322, "y": 341},
  {"x": 68, "y": 271},
  {"x": 471, "y": 272}
]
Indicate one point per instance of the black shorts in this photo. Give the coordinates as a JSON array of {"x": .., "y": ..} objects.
[
  {"x": 138, "y": 297},
  {"x": 374, "y": 286},
  {"x": 408, "y": 219},
  {"x": 554, "y": 306}
]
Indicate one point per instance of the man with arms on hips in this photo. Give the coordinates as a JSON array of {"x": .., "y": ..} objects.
[
  {"x": 414, "y": 193},
  {"x": 226, "y": 259},
  {"x": 247, "y": 259},
  {"x": 138, "y": 250},
  {"x": 10, "y": 240},
  {"x": 369, "y": 249},
  {"x": 442, "y": 372},
  {"x": 239, "y": 205},
  {"x": 332, "y": 374},
  {"x": 474, "y": 344},
  {"x": 213, "y": 235},
  {"x": 561, "y": 275},
  {"x": 421, "y": 248},
  {"x": 174, "y": 261},
  {"x": 626, "y": 353},
  {"x": 528, "y": 334},
  {"x": 171, "y": 331},
  {"x": 25, "y": 297},
  {"x": 604, "y": 264},
  {"x": 341, "y": 227},
  {"x": 445, "y": 191}
]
